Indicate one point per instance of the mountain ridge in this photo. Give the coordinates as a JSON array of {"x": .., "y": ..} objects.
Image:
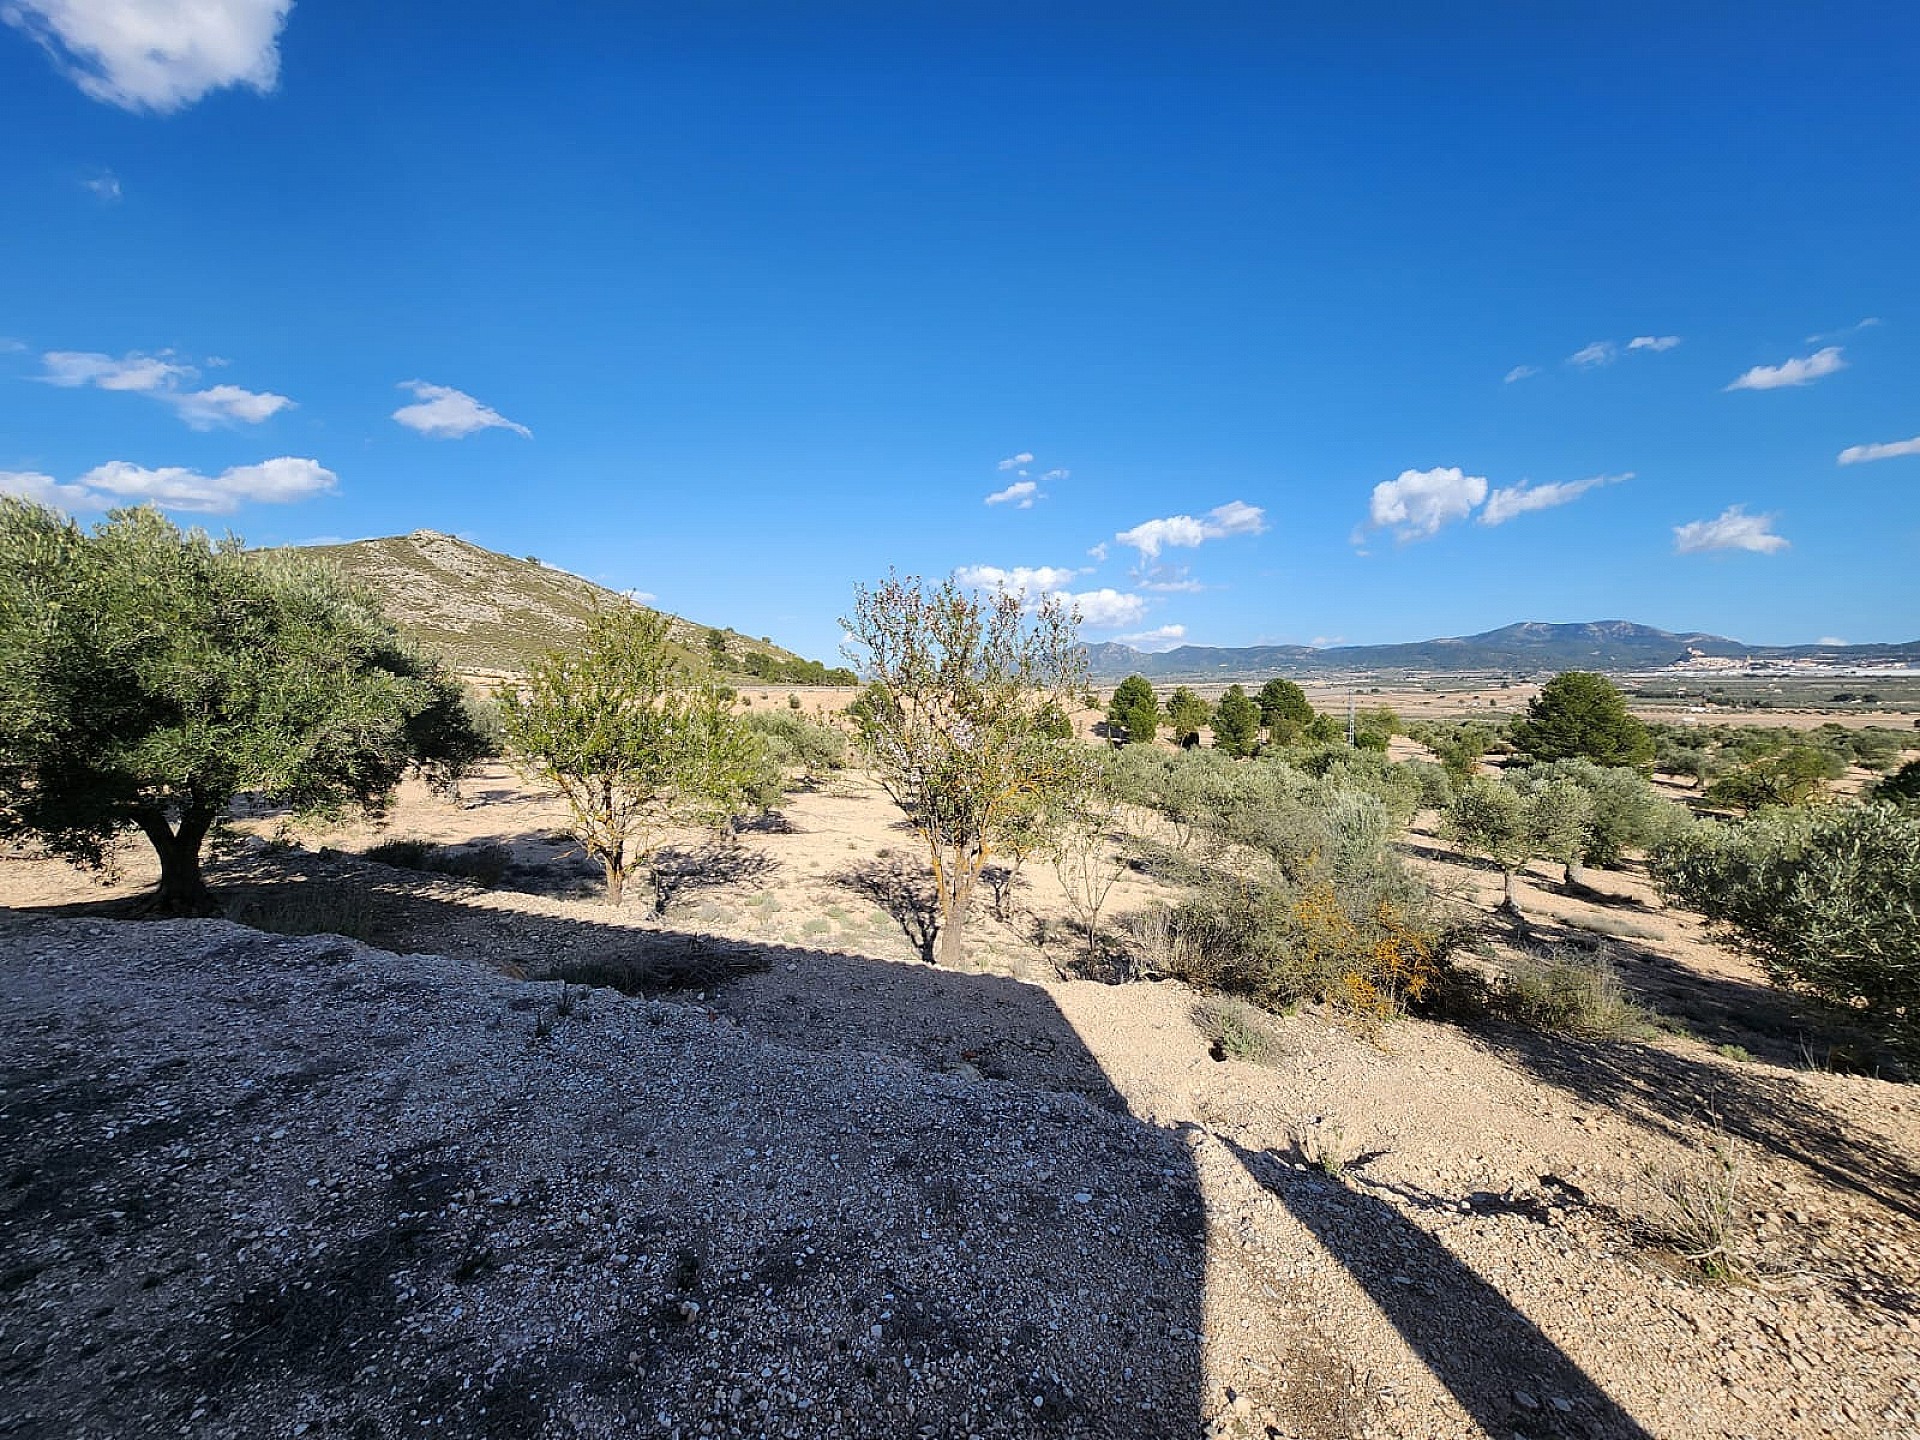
[{"x": 1527, "y": 646}]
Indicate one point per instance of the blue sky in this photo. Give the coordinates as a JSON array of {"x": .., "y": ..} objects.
[{"x": 1364, "y": 328}]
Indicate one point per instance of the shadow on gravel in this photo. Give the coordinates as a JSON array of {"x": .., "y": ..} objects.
[
  {"x": 380, "y": 1202},
  {"x": 1486, "y": 1353},
  {"x": 904, "y": 891},
  {"x": 1687, "y": 1098}
]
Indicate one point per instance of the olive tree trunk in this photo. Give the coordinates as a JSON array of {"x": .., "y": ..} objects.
[{"x": 182, "y": 889}]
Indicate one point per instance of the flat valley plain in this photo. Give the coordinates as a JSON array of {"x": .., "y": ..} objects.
[{"x": 1422, "y": 1230}]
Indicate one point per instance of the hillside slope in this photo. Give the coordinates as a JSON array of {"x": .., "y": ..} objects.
[{"x": 485, "y": 611}]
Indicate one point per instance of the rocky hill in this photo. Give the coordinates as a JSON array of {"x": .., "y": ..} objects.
[
  {"x": 489, "y": 612},
  {"x": 1527, "y": 648}
]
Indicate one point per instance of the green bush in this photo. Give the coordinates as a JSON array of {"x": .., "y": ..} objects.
[
  {"x": 1828, "y": 900},
  {"x": 1626, "y": 811},
  {"x": 1568, "y": 995}
]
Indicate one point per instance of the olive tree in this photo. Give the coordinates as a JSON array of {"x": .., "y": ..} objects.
[
  {"x": 960, "y": 720},
  {"x": 1081, "y": 823},
  {"x": 634, "y": 741},
  {"x": 152, "y": 675}
]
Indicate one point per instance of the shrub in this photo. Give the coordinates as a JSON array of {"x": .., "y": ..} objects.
[
  {"x": 483, "y": 864},
  {"x": 1237, "y": 1031},
  {"x": 408, "y": 854},
  {"x": 1827, "y": 899},
  {"x": 1901, "y": 788},
  {"x": 1626, "y": 812},
  {"x": 1568, "y": 995},
  {"x": 309, "y": 908}
]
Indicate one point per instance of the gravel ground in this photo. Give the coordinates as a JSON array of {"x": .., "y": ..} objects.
[{"x": 261, "y": 1186}]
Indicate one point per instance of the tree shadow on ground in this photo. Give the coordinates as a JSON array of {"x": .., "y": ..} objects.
[
  {"x": 682, "y": 871},
  {"x": 904, "y": 891},
  {"x": 1684, "y": 1097},
  {"x": 1484, "y": 1351},
  {"x": 523, "y": 1209}
]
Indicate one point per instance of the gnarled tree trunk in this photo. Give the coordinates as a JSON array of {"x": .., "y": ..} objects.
[{"x": 182, "y": 889}]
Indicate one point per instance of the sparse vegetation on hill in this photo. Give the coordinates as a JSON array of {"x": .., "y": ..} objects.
[{"x": 488, "y": 612}]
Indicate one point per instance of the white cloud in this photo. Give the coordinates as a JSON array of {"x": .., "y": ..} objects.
[
  {"x": 45, "y": 490},
  {"x": 1891, "y": 450},
  {"x": 1866, "y": 324},
  {"x": 1056, "y": 474},
  {"x": 1236, "y": 517},
  {"x": 157, "y": 54},
  {"x": 1802, "y": 371},
  {"x": 1022, "y": 493},
  {"x": 105, "y": 186},
  {"x": 1829, "y": 640},
  {"x": 1014, "y": 462},
  {"x": 119, "y": 482},
  {"x": 1600, "y": 352},
  {"x": 1522, "y": 372},
  {"x": 1655, "y": 343},
  {"x": 220, "y": 404},
  {"x": 11, "y": 346},
  {"x": 1419, "y": 502},
  {"x": 1511, "y": 500},
  {"x": 448, "y": 414},
  {"x": 1161, "y": 637},
  {"x": 1098, "y": 552},
  {"x": 132, "y": 371},
  {"x": 1733, "y": 529},
  {"x": 1028, "y": 580},
  {"x": 162, "y": 377},
  {"x": 1321, "y": 642},
  {"x": 1107, "y": 609}
]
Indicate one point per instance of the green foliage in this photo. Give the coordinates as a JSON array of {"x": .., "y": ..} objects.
[
  {"x": 1569, "y": 995},
  {"x": 152, "y": 675},
  {"x": 1236, "y": 723},
  {"x": 792, "y": 750},
  {"x": 1284, "y": 710},
  {"x": 1134, "y": 710},
  {"x": 1828, "y": 899},
  {"x": 1901, "y": 788},
  {"x": 1796, "y": 775},
  {"x": 1580, "y": 715},
  {"x": 1187, "y": 713},
  {"x": 1375, "y": 726},
  {"x": 632, "y": 740},
  {"x": 958, "y": 721},
  {"x": 1489, "y": 818},
  {"x": 1625, "y": 811}
]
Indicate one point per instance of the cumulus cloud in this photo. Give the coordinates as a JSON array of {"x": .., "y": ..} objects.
[
  {"x": 45, "y": 490},
  {"x": 1418, "y": 503},
  {"x": 1014, "y": 462},
  {"x": 157, "y": 55},
  {"x": 1801, "y": 371},
  {"x": 1732, "y": 529},
  {"x": 1107, "y": 609},
  {"x": 1021, "y": 494},
  {"x": 119, "y": 482},
  {"x": 165, "y": 379},
  {"x": 1028, "y": 580},
  {"x": 1655, "y": 343},
  {"x": 444, "y": 413},
  {"x": 1891, "y": 450},
  {"x": 1161, "y": 637},
  {"x": 1600, "y": 352},
  {"x": 1098, "y": 552},
  {"x": 1522, "y": 372},
  {"x": 1511, "y": 500},
  {"x": 1236, "y": 517}
]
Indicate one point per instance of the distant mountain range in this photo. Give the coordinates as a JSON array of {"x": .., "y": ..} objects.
[
  {"x": 1526, "y": 649},
  {"x": 485, "y": 611}
]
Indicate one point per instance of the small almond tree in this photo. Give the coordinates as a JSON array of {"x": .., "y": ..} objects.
[
  {"x": 1080, "y": 842},
  {"x": 961, "y": 718},
  {"x": 633, "y": 740}
]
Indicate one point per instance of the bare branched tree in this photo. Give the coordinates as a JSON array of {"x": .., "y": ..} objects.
[{"x": 964, "y": 720}]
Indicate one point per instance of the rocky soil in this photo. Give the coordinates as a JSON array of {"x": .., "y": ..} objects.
[{"x": 260, "y": 1185}]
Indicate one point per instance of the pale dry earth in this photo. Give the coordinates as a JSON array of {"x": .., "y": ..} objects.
[{"x": 1428, "y": 1231}]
